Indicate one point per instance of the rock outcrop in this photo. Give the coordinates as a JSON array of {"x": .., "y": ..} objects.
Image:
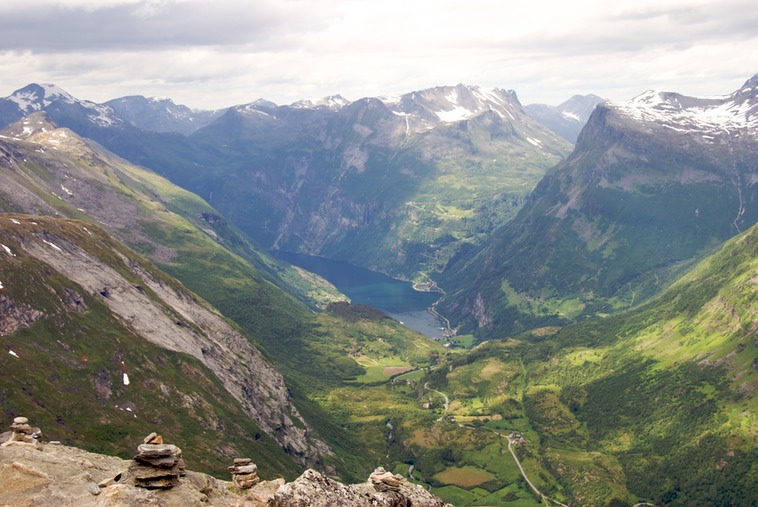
[
  {"x": 313, "y": 489},
  {"x": 52, "y": 475}
]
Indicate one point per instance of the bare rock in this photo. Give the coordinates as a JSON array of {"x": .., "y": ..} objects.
[{"x": 313, "y": 489}]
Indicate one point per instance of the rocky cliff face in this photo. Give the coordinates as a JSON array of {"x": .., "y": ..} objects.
[{"x": 159, "y": 310}]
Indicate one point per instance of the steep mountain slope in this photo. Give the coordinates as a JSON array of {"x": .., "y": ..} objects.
[
  {"x": 52, "y": 171},
  {"x": 84, "y": 318},
  {"x": 161, "y": 114},
  {"x": 566, "y": 119},
  {"x": 86, "y": 180},
  {"x": 652, "y": 184}
]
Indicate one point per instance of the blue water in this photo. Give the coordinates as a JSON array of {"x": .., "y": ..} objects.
[{"x": 394, "y": 297}]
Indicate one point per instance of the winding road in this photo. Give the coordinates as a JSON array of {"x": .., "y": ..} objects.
[
  {"x": 541, "y": 495},
  {"x": 447, "y": 400}
]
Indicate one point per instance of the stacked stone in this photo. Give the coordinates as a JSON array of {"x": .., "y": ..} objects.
[
  {"x": 385, "y": 481},
  {"x": 157, "y": 465},
  {"x": 244, "y": 473},
  {"x": 22, "y": 432}
]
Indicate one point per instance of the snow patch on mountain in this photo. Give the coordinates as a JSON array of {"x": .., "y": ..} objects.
[
  {"x": 459, "y": 113},
  {"x": 53, "y": 244},
  {"x": 535, "y": 142}
]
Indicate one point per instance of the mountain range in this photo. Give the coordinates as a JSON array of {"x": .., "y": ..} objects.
[
  {"x": 445, "y": 166},
  {"x": 611, "y": 285},
  {"x": 653, "y": 184}
]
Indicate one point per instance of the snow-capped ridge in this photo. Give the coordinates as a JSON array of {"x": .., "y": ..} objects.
[
  {"x": 451, "y": 104},
  {"x": 332, "y": 102},
  {"x": 729, "y": 113}
]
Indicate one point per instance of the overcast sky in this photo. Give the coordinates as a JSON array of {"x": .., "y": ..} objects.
[{"x": 216, "y": 53}]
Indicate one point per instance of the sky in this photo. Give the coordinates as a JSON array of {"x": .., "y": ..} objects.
[{"x": 210, "y": 54}]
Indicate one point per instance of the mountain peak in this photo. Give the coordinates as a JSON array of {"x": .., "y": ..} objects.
[
  {"x": 751, "y": 83},
  {"x": 450, "y": 104},
  {"x": 30, "y": 125},
  {"x": 35, "y": 97}
]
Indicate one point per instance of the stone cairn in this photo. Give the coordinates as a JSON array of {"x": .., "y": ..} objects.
[
  {"x": 157, "y": 465},
  {"x": 383, "y": 480},
  {"x": 244, "y": 473},
  {"x": 22, "y": 432}
]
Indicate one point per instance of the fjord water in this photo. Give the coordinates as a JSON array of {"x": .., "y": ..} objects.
[{"x": 394, "y": 297}]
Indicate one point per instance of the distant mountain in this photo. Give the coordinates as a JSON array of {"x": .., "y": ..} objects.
[
  {"x": 161, "y": 114},
  {"x": 652, "y": 184},
  {"x": 55, "y": 102},
  {"x": 568, "y": 118},
  {"x": 333, "y": 102},
  {"x": 398, "y": 184}
]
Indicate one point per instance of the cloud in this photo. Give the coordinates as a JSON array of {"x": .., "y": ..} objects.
[
  {"x": 212, "y": 54},
  {"x": 150, "y": 25}
]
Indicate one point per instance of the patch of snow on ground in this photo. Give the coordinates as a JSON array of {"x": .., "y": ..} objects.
[
  {"x": 15, "y": 221},
  {"x": 69, "y": 192},
  {"x": 28, "y": 131},
  {"x": 53, "y": 245},
  {"x": 457, "y": 114},
  {"x": 8, "y": 250},
  {"x": 391, "y": 100},
  {"x": 126, "y": 379},
  {"x": 534, "y": 142},
  {"x": 12, "y": 353},
  {"x": 1, "y": 285},
  {"x": 570, "y": 116}
]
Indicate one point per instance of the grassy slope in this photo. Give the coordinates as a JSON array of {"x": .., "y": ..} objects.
[{"x": 656, "y": 404}]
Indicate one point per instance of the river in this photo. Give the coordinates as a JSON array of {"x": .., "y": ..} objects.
[{"x": 394, "y": 297}]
